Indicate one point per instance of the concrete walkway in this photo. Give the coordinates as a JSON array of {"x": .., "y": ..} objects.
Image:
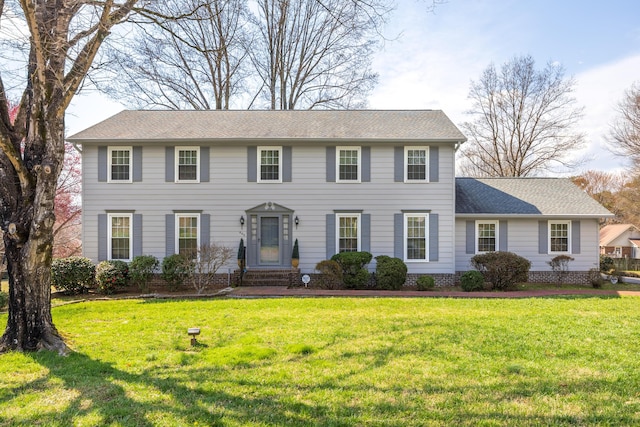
[{"x": 281, "y": 291}]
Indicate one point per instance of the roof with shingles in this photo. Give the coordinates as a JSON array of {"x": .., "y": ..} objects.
[
  {"x": 611, "y": 232},
  {"x": 524, "y": 196},
  {"x": 371, "y": 125}
]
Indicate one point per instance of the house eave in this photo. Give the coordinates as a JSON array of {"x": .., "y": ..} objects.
[{"x": 530, "y": 216}]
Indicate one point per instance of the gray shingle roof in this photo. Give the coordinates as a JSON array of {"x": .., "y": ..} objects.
[
  {"x": 524, "y": 196},
  {"x": 419, "y": 125}
]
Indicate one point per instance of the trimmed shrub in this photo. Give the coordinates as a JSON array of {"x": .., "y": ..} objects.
[
  {"x": 595, "y": 278},
  {"x": 141, "y": 270},
  {"x": 472, "y": 281},
  {"x": 391, "y": 273},
  {"x": 4, "y": 300},
  {"x": 73, "y": 275},
  {"x": 354, "y": 274},
  {"x": 110, "y": 275},
  {"x": 560, "y": 266},
  {"x": 425, "y": 283},
  {"x": 503, "y": 269},
  {"x": 175, "y": 270},
  {"x": 330, "y": 274}
]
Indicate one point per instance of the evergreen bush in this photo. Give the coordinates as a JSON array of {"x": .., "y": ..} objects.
[
  {"x": 425, "y": 283},
  {"x": 110, "y": 275},
  {"x": 391, "y": 273},
  {"x": 354, "y": 274},
  {"x": 141, "y": 270},
  {"x": 503, "y": 269},
  {"x": 330, "y": 274},
  {"x": 175, "y": 270},
  {"x": 4, "y": 300},
  {"x": 73, "y": 275},
  {"x": 472, "y": 281}
]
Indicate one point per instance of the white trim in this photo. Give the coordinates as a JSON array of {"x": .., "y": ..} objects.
[
  {"x": 110, "y": 217},
  {"x": 406, "y": 164},
  {"x": 177, "y": 229},
  {"x": 259, "y": 163},
  {"x": 405, "y": 233},
  {"x": 177, "y": 163},
  {"x": 349, "y": 148},
  {"x": 110, "y": 151},
  {"x": 358, "y": 225},
  {"x": 568, "y": 223},
  {"x": 497, "y": 235}
]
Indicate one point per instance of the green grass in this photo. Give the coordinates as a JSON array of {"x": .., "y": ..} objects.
[{"x": 334, "y": 362}]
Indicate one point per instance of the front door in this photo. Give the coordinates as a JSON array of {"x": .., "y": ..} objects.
[
  {"x": 269, "y": 240},
  {"x": 269, "y": 236}
]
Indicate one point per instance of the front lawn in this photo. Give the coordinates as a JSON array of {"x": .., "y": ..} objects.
[{"x": 333, "y": 362}]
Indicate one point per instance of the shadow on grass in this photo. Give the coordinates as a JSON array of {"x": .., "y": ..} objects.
[{"x": 107, "y": 395}]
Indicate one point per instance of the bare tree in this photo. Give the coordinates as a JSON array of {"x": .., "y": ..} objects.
[
  {"x": 209, "y": 260},
  {"x": 523, "y": 121},
  {"x": 64, "y": 38},
  {"x": 192, "y": 62},
  {"x": 311, "y": 53},
  {"x": 624, "y": 137},
  {"x": 602, "y": 187}
]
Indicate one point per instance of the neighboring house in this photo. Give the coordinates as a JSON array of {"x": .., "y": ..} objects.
[
  {"x": 163, "y": 182},
  {"x": 620, "y": 241},
  {"x": 537, "y": 218}
]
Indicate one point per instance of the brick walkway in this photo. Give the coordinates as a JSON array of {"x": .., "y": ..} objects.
[{"x": 280, "y": 291}]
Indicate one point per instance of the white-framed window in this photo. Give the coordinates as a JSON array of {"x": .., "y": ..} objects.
[
  {"x": 187, "y": 234},
  {"x": 559, "y": 237},
  {"x": 348, "y": 234},
  {"x": 187, "y": 164},
  {"x": 120, "y": 239},
  {"x": 416, "y": 160},
  {"x": 617, "y": 251},
  {"x": 486, "y": 236},
  {"x": 120, "y": 164},
  {"x": 348, "y": 164},
  {"x": 416, "y": 239},
  {"x": 269, "y": 164}
]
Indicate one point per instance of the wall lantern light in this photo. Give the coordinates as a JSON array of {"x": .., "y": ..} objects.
[
  {"x": 296, "y": 221},
  {"x": 241, "y": 220}
]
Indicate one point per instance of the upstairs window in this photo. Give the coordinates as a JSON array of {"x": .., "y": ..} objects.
[
  {"x": 120, "y": 164},
  {"x": 416, "y": 160},
  {"x": 269, "y": 164},
  {"x": 348, "y": 164},
  {"x": 187, "y": 164}
]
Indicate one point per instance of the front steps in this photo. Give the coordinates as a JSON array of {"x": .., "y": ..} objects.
[{"x": 280, "y": 277}]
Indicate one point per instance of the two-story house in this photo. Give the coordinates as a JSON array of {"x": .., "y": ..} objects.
[{"x": 164, "y": 182}]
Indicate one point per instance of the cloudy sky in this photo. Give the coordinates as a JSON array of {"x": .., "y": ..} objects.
[{"x": 431, "y": 57}]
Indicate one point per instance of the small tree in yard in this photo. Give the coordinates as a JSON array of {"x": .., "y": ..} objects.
[
  {"x": 560, "y": 266},
  {"x": 209, "y": 260}
]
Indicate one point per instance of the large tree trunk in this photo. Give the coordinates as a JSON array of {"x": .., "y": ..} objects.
[
  {"x": 28, "y": 243},
  {"x": 32, "y": 153}
]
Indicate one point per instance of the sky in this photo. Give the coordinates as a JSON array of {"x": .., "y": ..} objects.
[{"x": 430, "y": 59}]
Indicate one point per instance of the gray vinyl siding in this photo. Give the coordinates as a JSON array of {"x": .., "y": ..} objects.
[
  {"x": 526, "y": 237},
  {"x": 229, "y": 192}
]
